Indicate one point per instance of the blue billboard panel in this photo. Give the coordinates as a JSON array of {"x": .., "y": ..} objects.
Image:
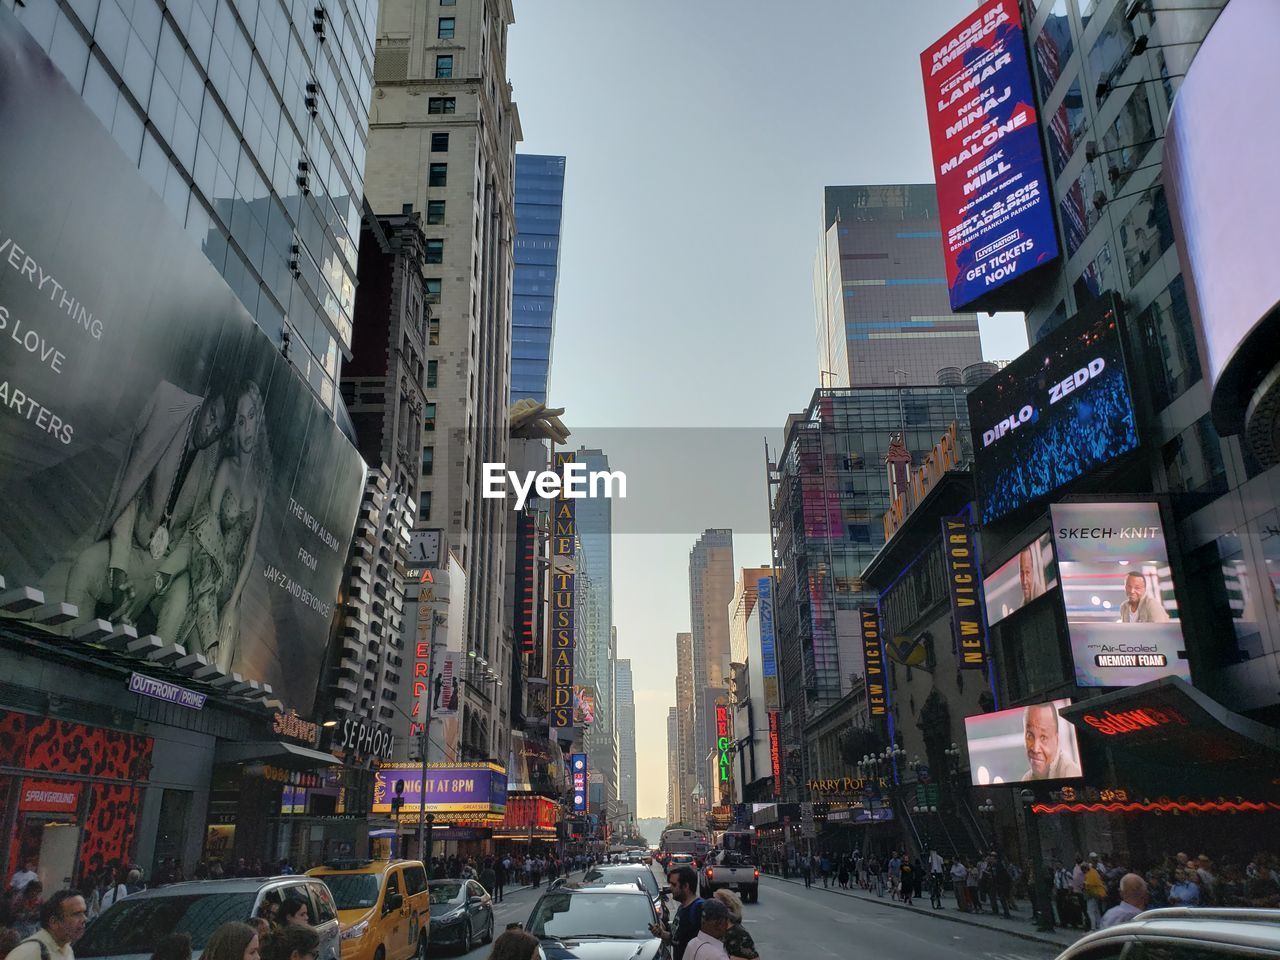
[
  {"x": 768, "y": 642},
  {"x": 1056, "y": 413},
  {"x": 578, "y": 778},
  {"x": 994, "y": 201}
]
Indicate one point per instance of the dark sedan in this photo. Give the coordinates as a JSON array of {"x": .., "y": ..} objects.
[
  {"x": 597, "y": 923},
  {"x": 461, "y": 914}
]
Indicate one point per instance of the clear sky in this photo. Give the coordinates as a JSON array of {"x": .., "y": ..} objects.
[{"x": 699, "y": 135}]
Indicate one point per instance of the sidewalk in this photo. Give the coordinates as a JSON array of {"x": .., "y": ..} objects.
[{"x": 1022, "y": 927}]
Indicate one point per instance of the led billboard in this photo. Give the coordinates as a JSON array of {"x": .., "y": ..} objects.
[
  {"x": 993, "y": 195},
  {"x": 1059, "y": 411},
  {"x": 1025, "y": 743},
  {"x": 1026, "y": 577},
  {"x": 1122, "y": 615},
  {"x": 161, "y": 462}
]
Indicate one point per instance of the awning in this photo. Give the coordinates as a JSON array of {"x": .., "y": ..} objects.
[
  {"x": 290, "y": 755},
  {"x": 1166, "y": 737}
]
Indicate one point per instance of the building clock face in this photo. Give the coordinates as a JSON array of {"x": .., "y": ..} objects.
[{"x": 424, "y": 546}]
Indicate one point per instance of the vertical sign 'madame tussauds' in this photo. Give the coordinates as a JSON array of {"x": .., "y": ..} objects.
[
  {"x": 564, "y": 536},
  {"x": 964, "y": 581},
  {"x": 993, "y": 197},
  {"x": 873, "y": 661}
]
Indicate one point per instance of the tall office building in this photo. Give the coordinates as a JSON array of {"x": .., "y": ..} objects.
[
  {"x": 840, "y": 451},
  {"x": 625, "y": 709},
  {"x": 539, "y": 202},
  {"x": 251, "y": 124},
  {"x": 442, "y": 144},
  {"x": 710, "y": 590},
  {"x": 880, "y": 290},
  {"x": 686, "y": 810},
  {"x": 594, "y": 520},
  {"x": 673, "y": 765}
]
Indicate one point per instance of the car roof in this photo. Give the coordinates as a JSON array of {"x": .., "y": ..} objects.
[
  {"x": 1250, "y": 928},
  {"x": 228, "y": 885},
  {"x": 359, "y": 866},
  {"x": 624, "y": 888}
]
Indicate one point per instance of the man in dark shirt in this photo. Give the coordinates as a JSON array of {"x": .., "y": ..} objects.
[{"x": 688, "y": 919}]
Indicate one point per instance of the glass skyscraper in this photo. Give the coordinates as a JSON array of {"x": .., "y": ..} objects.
[
  {"x": 250, "y": 119},
  {"x": 539, "y": 202}
]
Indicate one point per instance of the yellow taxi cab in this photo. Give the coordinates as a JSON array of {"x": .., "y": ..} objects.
[{"x": 384, "y": 907}]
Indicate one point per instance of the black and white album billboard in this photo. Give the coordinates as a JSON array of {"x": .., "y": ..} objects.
[{"x": 161, "y": 463}]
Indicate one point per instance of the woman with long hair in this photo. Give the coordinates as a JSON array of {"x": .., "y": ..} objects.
[
  {"x": 232, "y": 941},
  {"x": 224, "y": 535},
  {"x": 515, "y": 945}
]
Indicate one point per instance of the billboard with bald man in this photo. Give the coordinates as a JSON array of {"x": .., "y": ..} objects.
[{"x": 1023, "y": 744}]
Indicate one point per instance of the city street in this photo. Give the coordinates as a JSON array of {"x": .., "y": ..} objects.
[{"x": 792, "y": 922}]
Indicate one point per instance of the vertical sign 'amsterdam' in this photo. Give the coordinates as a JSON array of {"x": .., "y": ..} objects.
[
  {"x": 564, "y": 536},
  {"x": 873, "y": 657},
  {"x": 968, "y": 628}
]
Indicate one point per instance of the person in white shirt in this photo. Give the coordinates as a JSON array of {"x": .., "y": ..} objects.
[
  {"x": 63, "y": 918},
  {"x": 25, "y": 875},
  {"x": 1133, "y": 900},
  {"x": 709, "y": 943}
]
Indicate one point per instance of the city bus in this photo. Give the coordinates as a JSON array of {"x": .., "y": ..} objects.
[{"x": 682, "y": 839}]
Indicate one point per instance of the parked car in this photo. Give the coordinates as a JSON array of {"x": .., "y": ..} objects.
[
  {"x": 629, "y": 873},
  {"x": 383, "y": 907},
  {"x": 130, "y": 928},
  {"x": 461, "y": 914},
  {"x": 732, "y": 870},
  {"x": 597, "y": 923},
  {"x": 1183, "y": 933}
]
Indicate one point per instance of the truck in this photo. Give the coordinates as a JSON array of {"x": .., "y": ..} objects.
[{"x": 732, "y": 870}]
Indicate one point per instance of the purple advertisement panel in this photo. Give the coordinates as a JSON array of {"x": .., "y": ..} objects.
[
  {"x": 1122, "y": 612},
  {"x": 450, "y": 788},
  {"x": 993, "y": 196}
]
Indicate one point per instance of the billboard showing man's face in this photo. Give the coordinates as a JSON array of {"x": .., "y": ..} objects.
[
  {"x": 1022, "y": 744},
  {"x": 1122, "y": 614},
  {"x": 162, "y": 464},
  {"x": 1028, "y": 576}
]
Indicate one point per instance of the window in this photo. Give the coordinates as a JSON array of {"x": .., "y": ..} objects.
[
  {"x": 437, "y": 175},
  {"x": 1146, "y": 233},
  {"x": 444, "y": 66},
  {"x": 429, "y": 416},
  {"x": 444, "y": 29},
  {"x": 431, "y": 373},
  {"x": 424, "y": 505},
  {"x": 433, "y": 332},
  {"x": 415, "y": 880},
  {"x": 439, "y": 143},
  {"x": 1170, "y": 356},
  {"x": 448, "y": 3},
  {"x": 435, "y": 211},
  {"x": 442, "y": 105},
  {"x": 435, "y": 251},
  {"x": 428, "y": 461},
  {"x": 431, "y": 287}
]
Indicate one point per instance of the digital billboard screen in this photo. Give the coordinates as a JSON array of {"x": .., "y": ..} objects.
[
  {"x": 1025, "y": 743},
  {"x": 1059, "y": 411},
  {"x": 994, "y": 201},
  {"x": 162, "y": 464},
  {"x": 1027, "y": 577},
  {"x": 1122, "y": 614}
]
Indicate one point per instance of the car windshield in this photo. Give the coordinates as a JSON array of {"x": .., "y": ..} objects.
[
  {"x": 135, "y": 926},
  {"x": 353, "y": 891},
  {"x": 622, "y": 916},
  {"x": 600, "y": 876},
  {"x": 445, "y": 892}
]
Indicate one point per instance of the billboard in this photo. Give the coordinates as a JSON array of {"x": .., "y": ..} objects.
[
  {"x": 1025, "y": 743},
  {"x": 564, "y": 540},
  {"x": 476, "y": 787},
  {"x": 445, "y": 685},
  {"x": 578, "y": 778},
  {"x": 1122, "y": 614},
  {"x": 161, "y": 462},
  {"x": 775, "y": 751},
  {"x": 1056, "y": 413},
  {"x": 1028, "y": 576},
  {"x": 994, "y": 202},
  {"x": 964, "y": 584},
  {"x": 873, "y": 661},
  {"x": 768, "y": 642},
  {"x": 584, "y": 705}
]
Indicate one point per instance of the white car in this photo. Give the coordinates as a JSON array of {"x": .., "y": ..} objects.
[{"x": 1185, "y": 933}]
